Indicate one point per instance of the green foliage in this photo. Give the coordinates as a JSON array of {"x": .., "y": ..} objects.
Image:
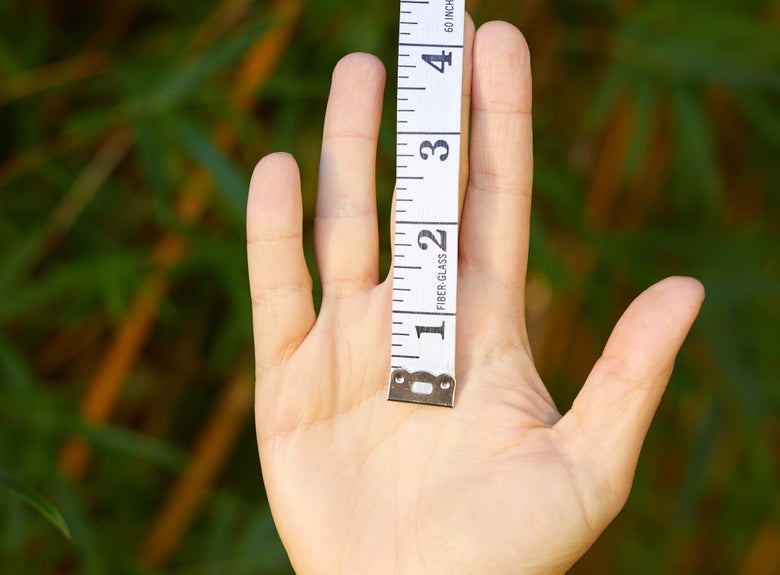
[
  {"x": 21, "y": 489},
  {"x": 100, "y": 148}
]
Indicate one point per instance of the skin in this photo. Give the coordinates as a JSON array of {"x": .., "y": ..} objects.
[{"x": 502, "y": 483}]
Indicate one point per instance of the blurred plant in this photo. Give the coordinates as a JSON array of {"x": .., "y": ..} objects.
[
  {"x": 31, "y": 496},
  {"x": 130, "y": 129}
]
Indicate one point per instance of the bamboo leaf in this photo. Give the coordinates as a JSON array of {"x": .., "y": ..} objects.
[
  {"x": 607, "y": 95},
  {"x": 14, "y": 367},
  {"x": 93, "y": 559},
  {"x": 698, "y": 165},
  {"x": 36, "y": 500},
  {"x": 764, "y": 117},
  {"x": 150, "y": 154},
  {"x": 15, "y": 263},
  {"x": 191, "y": 76},
  {"x": 231, "y": 182},
  {"x": 150, "y": 148},
  {"x": 133, "y": 444},
  {"x": 107, "y": 278},
  {"x": 724, "y": 45},
  {"x": 644, "y": 103}
]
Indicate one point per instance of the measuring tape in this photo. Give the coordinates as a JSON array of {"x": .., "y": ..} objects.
[{"x": 425, "y": 262}]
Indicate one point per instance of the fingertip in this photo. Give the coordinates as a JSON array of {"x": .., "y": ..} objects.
[
  {"x": 355, "y": 99},
  {"x": 502, "y": 69},
  {"x": 274, "y": 165},
  {"x": 362, "y": 65},
  {"x": 684, "y": 284},
  {"x": 273, "y": 188},
  {"x": 505, "y": 37},
  {"x": 502, "y": 29},
  {"x": 682, "y": 295}
]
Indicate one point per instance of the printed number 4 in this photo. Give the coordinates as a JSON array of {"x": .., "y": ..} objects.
[{"x": 438, "y": 62}]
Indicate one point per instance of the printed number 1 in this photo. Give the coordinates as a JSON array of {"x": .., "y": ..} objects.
[
  {"x": 438, "y": 61},
  {"x": 437, "y": 330}
]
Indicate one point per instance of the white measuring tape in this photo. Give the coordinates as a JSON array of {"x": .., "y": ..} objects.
[{"x": 425, "y": 263}]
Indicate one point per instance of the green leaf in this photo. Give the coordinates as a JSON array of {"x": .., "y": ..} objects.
[
  {"x": 150, "y": 151},
  {"x": 612, "y": 87},
  {"x": 644, "y": 103},
  {"x": 231, "y": 182},
  {"x": 106, "y": 278},
  {"x": 134, "y": 444},
  {"x": 18, "y": 260},
  {"x": 15, "y": 369},
  {"x": 763, "y": 116},
  {"x": 9, "y": 62},
  {"x": 87, "y": 533},
  {"x": 221, "y": 532},
  {"x": 259, "y": 544},
  {"x": 36, "y": 500},
  {"x": 193, "y": 74},
  {"x": 688, "y": 43},
  {"x": 697, "y": 159}
]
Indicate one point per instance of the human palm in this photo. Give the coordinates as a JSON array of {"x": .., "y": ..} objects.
[{"x": 499, "y": 484}]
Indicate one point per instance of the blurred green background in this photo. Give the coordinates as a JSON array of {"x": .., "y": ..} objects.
[{"x": 129, "y": 130}]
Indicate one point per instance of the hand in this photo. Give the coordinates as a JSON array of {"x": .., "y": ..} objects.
[{"x": 501, "y": 484}]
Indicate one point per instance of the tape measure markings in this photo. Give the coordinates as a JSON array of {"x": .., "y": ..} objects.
[{"x": 430, "y": 70}]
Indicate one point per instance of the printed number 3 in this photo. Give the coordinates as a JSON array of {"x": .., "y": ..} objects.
[{"x": 428, "y": 149}]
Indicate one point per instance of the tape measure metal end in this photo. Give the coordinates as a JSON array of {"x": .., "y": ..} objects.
[{"x": 422, "y": 387}]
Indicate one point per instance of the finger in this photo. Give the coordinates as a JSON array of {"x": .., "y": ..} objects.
[
  {"x": 608, "y": 421},
  {"x": 345, "y": 230},
  {"x": 280, "y": 284},
  {"x": 496, "y": 213}
]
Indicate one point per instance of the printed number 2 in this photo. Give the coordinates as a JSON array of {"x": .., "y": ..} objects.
[
  {"x": 439, "y": 61},
  {"x": 442, "y": 241}
]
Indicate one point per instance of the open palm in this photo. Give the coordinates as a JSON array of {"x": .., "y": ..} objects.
[{"x": 501, "y": 484}]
